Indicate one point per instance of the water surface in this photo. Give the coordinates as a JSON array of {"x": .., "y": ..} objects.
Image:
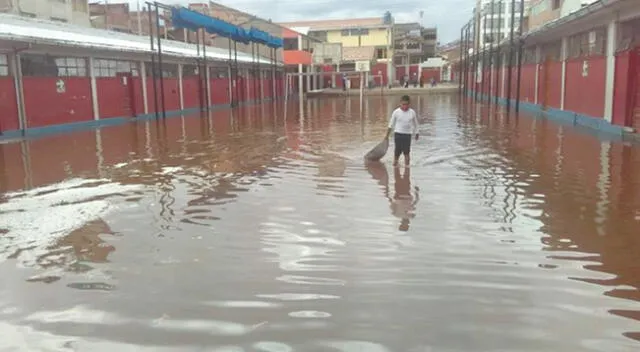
[{"x": 256, "y": 231}]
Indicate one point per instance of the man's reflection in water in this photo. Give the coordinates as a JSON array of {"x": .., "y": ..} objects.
[{"x": 404, "y": 203}]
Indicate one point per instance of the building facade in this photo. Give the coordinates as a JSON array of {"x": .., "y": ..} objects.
[
  {"x": 493, "y": 24},
  {"x": 65, "y": 11},
  {"x": 413, "y": 43}
]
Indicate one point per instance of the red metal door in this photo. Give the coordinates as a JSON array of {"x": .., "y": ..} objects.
[{"x": 129, "y": 102}]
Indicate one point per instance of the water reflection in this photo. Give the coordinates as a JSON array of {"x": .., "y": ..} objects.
[{"x": 266, "y": 233}]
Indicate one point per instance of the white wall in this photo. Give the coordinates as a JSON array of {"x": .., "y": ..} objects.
[
  {"x": 53, "y": 9},
  {"x": 569, "y": 6}
]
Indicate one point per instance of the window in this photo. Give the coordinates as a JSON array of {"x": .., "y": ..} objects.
[
  {"x": 588, "y": 43},
  {"x": 551, "y": 51},
  {"x": 290, "y": 44},
  {"x": 354, "y": 32},
  {"x": 399, "y": 46},
  {"x": 110, "y": 68},
  {"x": 413, "y": 46},
  {"x": 381, "y": 53},
  {"x": 414, "y": 60},
  {"x": 218, "y": 72},
  {"x": 4, "y": 65},
  {"x": 529, "y": 56},
  {"x": 169, "y": 70},
  {"x": 189, "y": 70},
  {"x": 53, "y": 66},
  {"x": 555, "y": 4}
]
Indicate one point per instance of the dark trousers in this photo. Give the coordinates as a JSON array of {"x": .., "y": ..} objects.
[{"x": 402, "y": 144}]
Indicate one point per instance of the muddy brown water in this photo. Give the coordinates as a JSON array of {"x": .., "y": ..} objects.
[{"x": 252, "y": 232}]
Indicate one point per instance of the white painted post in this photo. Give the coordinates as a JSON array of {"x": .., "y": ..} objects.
[
  {"x": 208, "y": 78},
  {"x": 611, "y": 70},
  {"x": 94, "y": 90},
  {"x": 16, "y": 71},
  {"x": 300, "y": 80},
  {"x": 309, "y": 76},
  {"x": 143, "y": 78},
  {"x": 538, "y": 58},
  {"x": 231, "y": 84},
  {"x": 564, "y": 55},
  {"x": 261, "y": 75},
  {"x": 180, "y": 87}
]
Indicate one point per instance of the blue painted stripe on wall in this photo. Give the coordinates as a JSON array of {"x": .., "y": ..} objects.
[
  {"x": 111, "y": 121},
  {"x": 597, "y": 124}
]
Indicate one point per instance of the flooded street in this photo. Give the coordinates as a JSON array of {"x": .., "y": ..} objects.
[{"x": 258, "y": 233}]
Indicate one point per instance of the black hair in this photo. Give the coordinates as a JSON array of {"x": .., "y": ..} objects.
[{"x": 405, "y": 98}]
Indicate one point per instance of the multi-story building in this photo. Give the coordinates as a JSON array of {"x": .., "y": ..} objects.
[
  {"x": 68, "y": 11},
  {"x": 413, "y": 43},
  {"x": 375, "y": 33},
  {"x": 494, "y": 24},
  {"x": 542, "y": 12}
]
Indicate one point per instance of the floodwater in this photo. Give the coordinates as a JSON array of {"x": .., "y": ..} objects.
[{"x": 256, "y": 232}]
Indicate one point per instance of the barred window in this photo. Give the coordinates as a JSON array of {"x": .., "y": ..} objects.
[
  {"x": 529, "y": 55},
  {"x": 168, "y": 70},
  {"x": 53, "y": 66},
  {"x": 218, "y": 72},
  {"x": 628, "y": 34},
  {"x": 551, "y": 51},
  {"x": 588, "y": 43},
  {"x": 110, "y": 68},
  {"x": 190, "y": 70},
  {"x": 4, "y": 65}
]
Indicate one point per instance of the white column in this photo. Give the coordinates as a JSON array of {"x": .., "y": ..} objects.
[
  {"x": 247, "y": 84},
  {"x": 537, "y": 83},
  {"x": 142, "y": 72},
  {"x": 180, "y": 87},
  {"x": 564, "y": 54},
  {"x": 16, "y": 72},
  {"x": 94, "y": 90},
  {"x": 611, "y": 70},
  {"x": 504, "y": 76},
  {"x": 208, "y": 78},
  {"x": 261, "y": 74},
  {"x": 300, "y": 81},
  {"x": 309, "y": 76},
  {"x": 231, "y": 84}
]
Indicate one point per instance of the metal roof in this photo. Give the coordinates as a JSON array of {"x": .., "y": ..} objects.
[{"x": 38, "y": 31}]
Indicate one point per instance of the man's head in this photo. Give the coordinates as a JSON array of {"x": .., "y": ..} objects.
[{"x": 404, "y": 102}]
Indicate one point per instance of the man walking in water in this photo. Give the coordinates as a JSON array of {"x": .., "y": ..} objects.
[{"x": 404, "y": 124}]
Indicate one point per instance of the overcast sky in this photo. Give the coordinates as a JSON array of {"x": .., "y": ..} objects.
[{"x": 447, "y": 15}]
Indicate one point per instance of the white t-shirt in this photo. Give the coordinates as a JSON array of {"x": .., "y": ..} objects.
[{"x": 404, "y": 121}]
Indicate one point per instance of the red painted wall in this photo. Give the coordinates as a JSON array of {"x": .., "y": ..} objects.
[
  {"x": 585, "y": 95},
  {"x": 219, "y": 91},
  {"x": 527, "y": 83},
  {"x": 191, "y": 91},
  {"x": 622, "y": 89},
  {"x": 429, "y": 73},
  {"x": 137, "y": 95},
  {"x": 171, "y": 94},
  {"x": 114, "y": 98},
  {"x": 380, "y": 68},
  {"x": 8, "y": 106},
  {"x": 550, "y": 84},
  {"x": 45, "y": 106}
]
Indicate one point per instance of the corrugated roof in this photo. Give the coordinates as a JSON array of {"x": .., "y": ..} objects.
[
  {"x": 358, "y": 53},
  {"x": 336, "y": 24},
  {"x": 38, "y": 31}
]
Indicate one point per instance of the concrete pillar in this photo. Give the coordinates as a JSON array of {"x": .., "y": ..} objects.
[
  {"x": 261, "y": 75},
  {"x": 333, "y": 77},
  {"x": 180, "y": 87},
  {"x": 300, "y": 80},
  {"x": 564, "y": 54},
  {"x": 16, "y": 72},
  {"x": 309, "y": 77},
  {"x": 538, "y": 59},
  {"x": 142, "y": 72},
  {"x": 94, "y": 90},
  {"x": 208, "y": 78},
  {"x": 612, "y": 28}
]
